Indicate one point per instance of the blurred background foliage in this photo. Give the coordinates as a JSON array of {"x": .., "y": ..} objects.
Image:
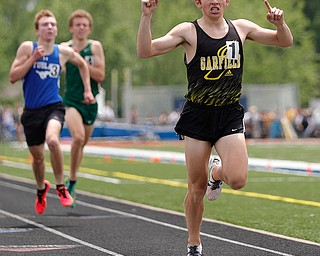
[{"x": 116, "y": 23}]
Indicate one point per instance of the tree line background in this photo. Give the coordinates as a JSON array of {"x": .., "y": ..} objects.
[{"x": 116, "y": 23}]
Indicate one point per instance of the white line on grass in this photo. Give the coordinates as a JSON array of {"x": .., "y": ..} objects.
[
  {"x": 49, "y": 170},
  {"x": 284, "y": 179}
]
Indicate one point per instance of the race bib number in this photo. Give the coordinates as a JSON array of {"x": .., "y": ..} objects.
[{"x": 232, "y": 50}]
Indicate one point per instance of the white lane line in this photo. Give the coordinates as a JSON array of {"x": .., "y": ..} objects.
[
  {"x": 51, "y": 230},
  {"x": 97, "y": 207},
  {"x": 14, "y": 230},
  {"x": 58, "y": 233},
  {"x": 101, "y": 208},
  {"x": 35, "y": 248}
]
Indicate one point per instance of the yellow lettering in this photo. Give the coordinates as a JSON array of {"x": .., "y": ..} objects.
[
  {"x": 202, "y": 63},
  {"x": 209, "y": 65},
  {"x": 219, "y": 63},
  {"x": 215, "y": 62},
  {"x": 238, "y": 60}
]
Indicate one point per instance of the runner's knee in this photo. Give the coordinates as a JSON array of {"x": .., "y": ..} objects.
[
  {"x": 78, "y": 139},
  {"x": 197, "y": 193},
  {"x": 53, "y": 142},
  {"x": 237, "y": 182}
]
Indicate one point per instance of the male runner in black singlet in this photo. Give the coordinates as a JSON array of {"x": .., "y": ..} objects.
[{"x": 212, "y": 115}]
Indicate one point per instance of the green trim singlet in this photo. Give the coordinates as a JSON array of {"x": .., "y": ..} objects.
[{"x": 74, "y": 85}]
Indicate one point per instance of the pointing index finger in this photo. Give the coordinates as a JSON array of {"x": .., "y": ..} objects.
[{"x": 267, "y": 5}]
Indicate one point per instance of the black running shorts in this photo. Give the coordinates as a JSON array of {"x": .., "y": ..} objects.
[
  {"x": 35, "y": 122},
  {"x": 210, "y": 123}
]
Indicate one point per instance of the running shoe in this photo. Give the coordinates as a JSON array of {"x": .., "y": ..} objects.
[
  {"x": 70, "y": 186},
  {"x": 195, "y": 250},
  {"x": 65, "y": 198},
  {"x": 214, "y": 186},
  {"x": 41, "y": 198}
]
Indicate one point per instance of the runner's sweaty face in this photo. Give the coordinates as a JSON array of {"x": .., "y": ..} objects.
[
  {"x": 213, "y": 7},
  {"x": 47, "y": 29},
  {"x": 80, "y": 27}
]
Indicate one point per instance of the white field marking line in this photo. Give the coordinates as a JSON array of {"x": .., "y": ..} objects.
[
  {"x": 284, "y": 179},
  {"x": 164, "y": 223},
  {"x": 49, "y": 170},
  {"x": 97, "y": 207},
  {"x": 229, "y": 191},
  {"x": 79, "y": 174},
  {"x": 35, "y": 248},
  {"x": 101, "y": 208},
  {"x": 58, "y": 233},
  {"x": 51, "y": 230},
  {"x": 14, "y": 230},
  {"x": 152, "y": 208}
]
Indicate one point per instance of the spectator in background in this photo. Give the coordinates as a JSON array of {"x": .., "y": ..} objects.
[
  {"x": 313, "y": 128},
  {"x": 163, "y": 118},
  {"x": 275, "y": 130},
  {"x": 107, "y": 114},
  {"x": 252, "y": 123},
  {"x": 173, "y": 117},
  {"x": 18, "y": 126},
  {"x": 1, "y": 122},
  {"x": 290, "y": 113},
  {"x": 7, "y": 124},
  {"x": 133, "y": 115},
  {"x": 300, "y": 122}
]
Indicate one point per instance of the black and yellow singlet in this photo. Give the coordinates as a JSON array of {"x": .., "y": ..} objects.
[{"x": 215, "y": 72}]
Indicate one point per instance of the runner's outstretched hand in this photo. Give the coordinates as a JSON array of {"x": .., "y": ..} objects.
[
  {"x": 275, "y": 15},
  {"x": 148, "y": 6}
]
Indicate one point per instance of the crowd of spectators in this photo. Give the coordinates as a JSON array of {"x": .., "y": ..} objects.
[
  {"x": 10, "y": 125},
  {"x": 304, "y": 122}
]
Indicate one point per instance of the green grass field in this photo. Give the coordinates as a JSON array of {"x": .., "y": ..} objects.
[{"x": 280, "y": 203}]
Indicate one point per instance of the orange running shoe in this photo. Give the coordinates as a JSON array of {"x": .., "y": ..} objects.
[
  {"x": 65, "y": 198},
  {"x": 41, "y": 199}
]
